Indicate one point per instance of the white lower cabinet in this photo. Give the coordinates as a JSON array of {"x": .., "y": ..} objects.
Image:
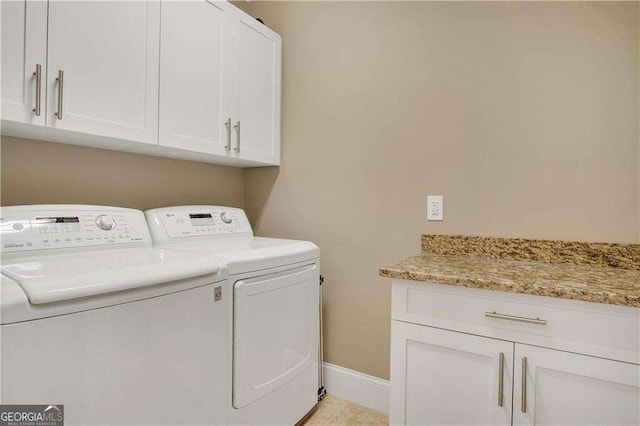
[
  {"x": 484, "y": 363},
  {"x": 560, "y": 388},
  {"x": 441, "y": 377}
]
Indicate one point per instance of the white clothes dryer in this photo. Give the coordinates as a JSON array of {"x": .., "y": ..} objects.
[
  {"x": 97, "y": 319},
  {"x": 274, "y": 309}
]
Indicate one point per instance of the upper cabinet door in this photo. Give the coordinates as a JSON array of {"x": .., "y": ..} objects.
[
  {"x": 195, "y": 64},
  {"x": 107, "y": 53},
  {"x": 441, "y": 377},
  {"x": 561, "y": 388},
  {"x": 24, "y": 55},
  {"x": 258, "y": 85}
]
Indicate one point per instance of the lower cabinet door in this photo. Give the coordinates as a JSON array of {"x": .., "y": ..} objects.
[
  {"x": 559, "y": 388},
  {"x": 441, "y": 377}
]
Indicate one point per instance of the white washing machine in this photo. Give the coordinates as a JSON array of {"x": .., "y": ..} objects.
[
  {"x": 97, "y": 319},
  {"x": 274, "y": 314}
]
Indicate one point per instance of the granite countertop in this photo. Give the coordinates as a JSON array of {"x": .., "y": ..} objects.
[{"x": 568, "y": 270}]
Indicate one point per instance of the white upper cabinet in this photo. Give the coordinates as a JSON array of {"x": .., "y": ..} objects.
[
  {"x": 220, "y": 84},
  {"x": 257, "y": 87},
  {"x": 195, "y": 64},
  {"x": 192, "y": 79},
  {"x": 24, "y": 55},
  {"x": 103, "y": 67}
]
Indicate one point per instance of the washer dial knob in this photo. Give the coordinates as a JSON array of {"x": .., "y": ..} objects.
[
  {"x": 225, "y": 218},
  {"x": 106, "y": 223}
]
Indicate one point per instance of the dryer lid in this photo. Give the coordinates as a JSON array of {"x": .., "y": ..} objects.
[
  {"x": 252, "y": 254},
  {"x": 56, "y": 278}
]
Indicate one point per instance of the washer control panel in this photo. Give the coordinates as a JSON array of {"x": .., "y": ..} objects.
[
  {"x": 195, "y": 221},
  {"x": 50, "y": 227}
]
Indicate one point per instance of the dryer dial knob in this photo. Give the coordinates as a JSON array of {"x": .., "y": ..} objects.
[
  {"x": 225, "y": 218},
  {"x": 106, "y": 223}
]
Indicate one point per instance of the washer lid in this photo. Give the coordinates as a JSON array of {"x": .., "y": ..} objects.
[{"x": 56, "y": 278}]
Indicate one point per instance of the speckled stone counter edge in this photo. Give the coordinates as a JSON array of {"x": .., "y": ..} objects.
[
  {"x": 412, "y": 269},
  {"x": 625, "y": 256}
]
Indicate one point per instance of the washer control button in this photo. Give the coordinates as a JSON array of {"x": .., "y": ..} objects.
[
  {"x": 106, "y": 223},
  {"x": 18, "y": 226},
  {"x": 225, "y": 218}
]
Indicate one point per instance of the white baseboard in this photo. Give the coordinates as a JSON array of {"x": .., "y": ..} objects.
[{"x": 356, "y": 387}]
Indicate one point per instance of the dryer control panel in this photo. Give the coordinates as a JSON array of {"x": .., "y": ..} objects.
[
  {"x": 196, "y": 221},
  {"x": 24, "y": 228}
]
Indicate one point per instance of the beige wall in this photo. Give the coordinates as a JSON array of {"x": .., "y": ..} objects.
[
  {"x": 36, "y": 172},
  {"x": 523, "y": 115}
]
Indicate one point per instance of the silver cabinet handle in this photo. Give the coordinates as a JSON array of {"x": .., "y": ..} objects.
[
  {"x": 38, "y": 76},
  {"x": 523, "y": 403},
  {"x": 501, "y": 382},
  {"x": 227, "y": 124},
  {"x": 237, "y": 127},
  {"x": 60, "y": 80},
  {"x": 494, "y": 314}
]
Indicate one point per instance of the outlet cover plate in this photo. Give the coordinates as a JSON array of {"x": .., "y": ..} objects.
[{"x": 435, "y": 207}]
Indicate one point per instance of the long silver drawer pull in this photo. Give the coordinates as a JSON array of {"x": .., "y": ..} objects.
[
  {"x": 60, "y": 80},
  {"x": 237, "y": 127},
  {"x": 37, "y": 74},
  {"x": 228, "y": 126},
  {"x": 501, "y": 382},
  {"x": 523, "y": 403},
  {"x": 494, "y": 314}
]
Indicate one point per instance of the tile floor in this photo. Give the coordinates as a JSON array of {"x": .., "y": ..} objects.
[{"x": 336, "y": 411}]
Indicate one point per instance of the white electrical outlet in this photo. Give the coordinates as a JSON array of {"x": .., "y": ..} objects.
[{"x": 435, "y": 207}]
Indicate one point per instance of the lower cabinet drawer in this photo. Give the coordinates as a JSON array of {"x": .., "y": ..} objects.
[{"x": 607, "y": 331}]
